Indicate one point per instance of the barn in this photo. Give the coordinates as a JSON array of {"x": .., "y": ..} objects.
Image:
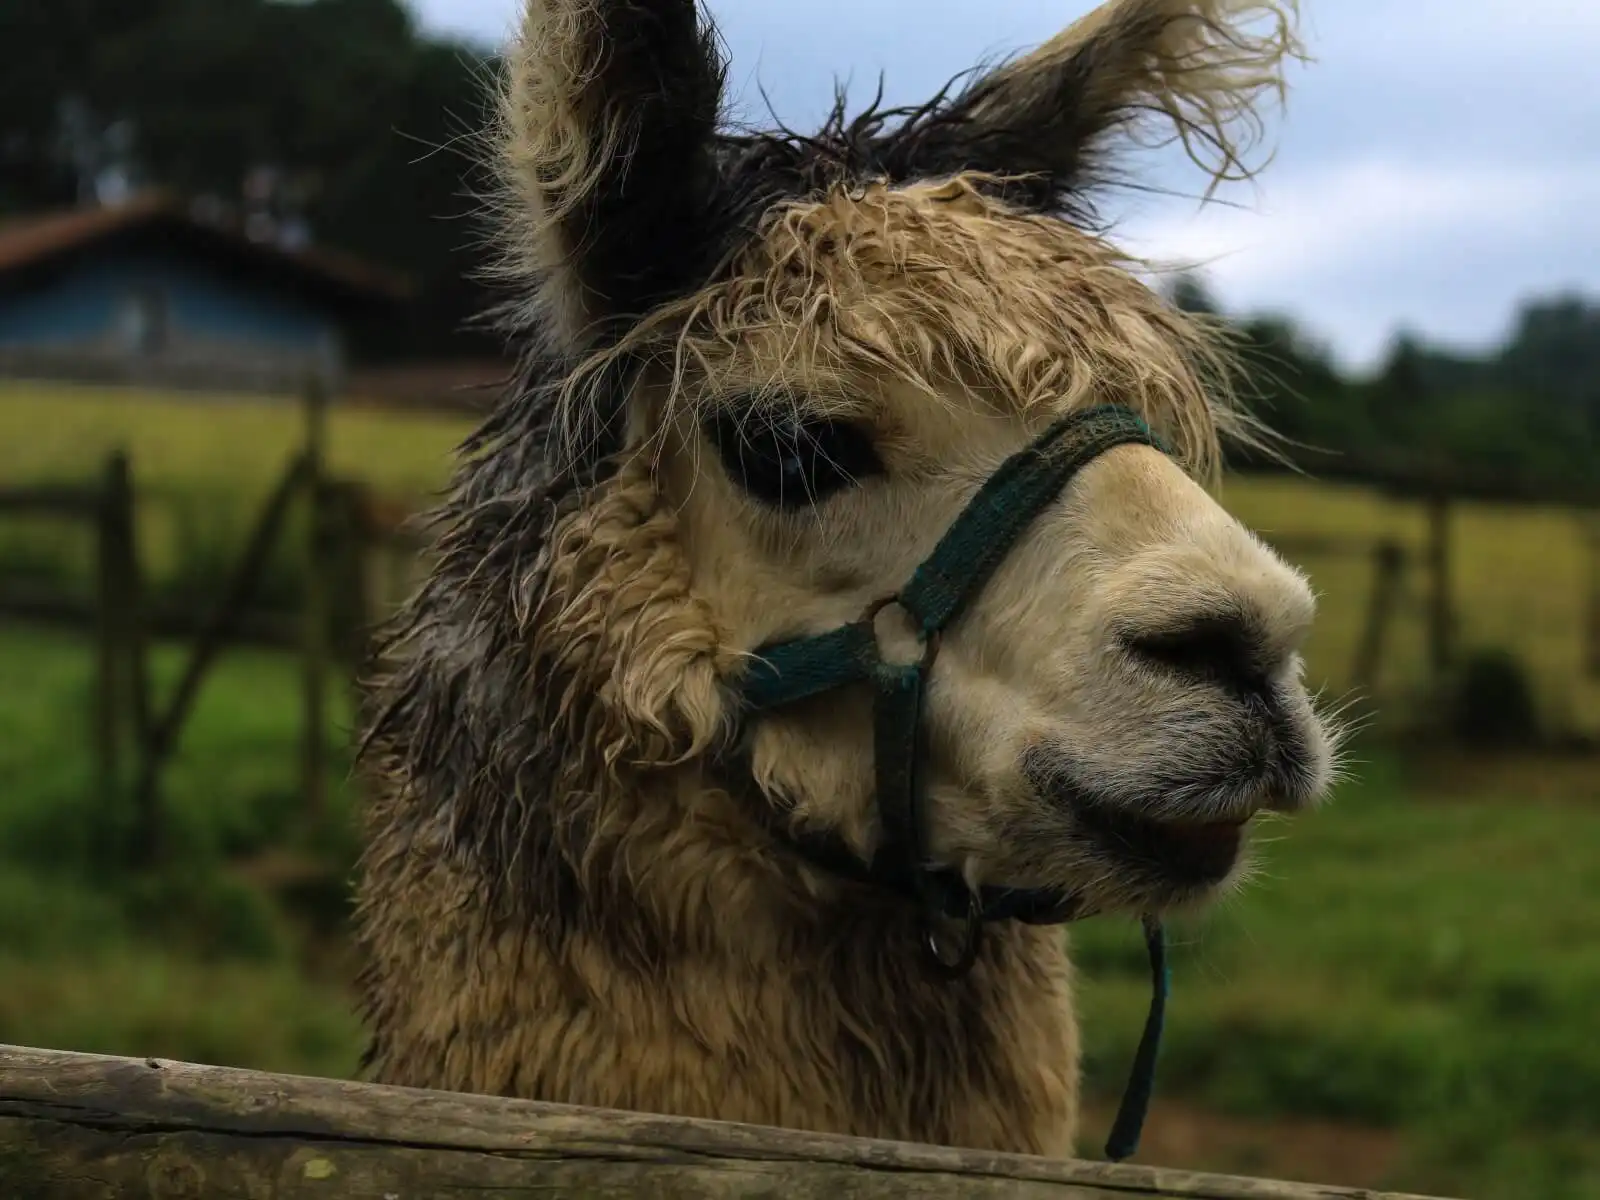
[{"x": 150, "y": 292}]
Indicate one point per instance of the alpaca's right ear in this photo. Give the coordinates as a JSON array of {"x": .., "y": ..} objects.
[
  {"x": 606, "y": 153},
  {"x": 1198, "y": 67}
]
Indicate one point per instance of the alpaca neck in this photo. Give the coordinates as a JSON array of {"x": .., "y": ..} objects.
[
  {"x": 743, "y": 954},
  {"x": 690, "y": 965}
]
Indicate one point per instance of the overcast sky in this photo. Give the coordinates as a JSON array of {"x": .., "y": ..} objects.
[{"x": 1439, "y": 161}]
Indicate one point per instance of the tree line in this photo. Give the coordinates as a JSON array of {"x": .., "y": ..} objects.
[
  {"x": 342, "y": 121},
  {"x": 1529, "y": 406},
  {"x": 335, "y": 117}
]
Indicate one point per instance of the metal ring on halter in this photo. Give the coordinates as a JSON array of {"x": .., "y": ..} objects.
[
  {"x": 930, "y": 642},
  {"x": 971, "y": 942}
]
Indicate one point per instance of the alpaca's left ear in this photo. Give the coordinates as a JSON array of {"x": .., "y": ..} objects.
[
  {"x": 1201, "y": 66},
  {"x": 606, "y": 154}
]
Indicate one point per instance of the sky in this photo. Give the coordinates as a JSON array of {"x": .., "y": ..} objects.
[{"x": 1437, "y": 163}]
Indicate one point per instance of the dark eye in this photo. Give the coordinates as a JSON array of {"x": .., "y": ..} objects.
[{"x": 789, "y": 460}]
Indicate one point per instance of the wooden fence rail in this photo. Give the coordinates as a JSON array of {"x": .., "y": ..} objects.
[
  {"x": 75, "y": 1126},
  {"x": 347, "y": 530}
]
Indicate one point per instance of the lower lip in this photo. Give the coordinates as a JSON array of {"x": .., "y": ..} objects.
[{"x": 1198, "y": 853}]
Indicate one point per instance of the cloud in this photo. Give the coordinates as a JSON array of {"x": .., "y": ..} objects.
[
  {"x": 1382, "y": 242},
  {"x": 1321, "y": 222},
  {"x": 487, "y": 21}
]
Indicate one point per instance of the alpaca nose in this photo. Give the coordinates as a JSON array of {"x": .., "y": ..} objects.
[{"x": 1219, "y": 649}]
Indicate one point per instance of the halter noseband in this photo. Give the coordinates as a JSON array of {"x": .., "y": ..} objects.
[{"x": 783, "y": 673}]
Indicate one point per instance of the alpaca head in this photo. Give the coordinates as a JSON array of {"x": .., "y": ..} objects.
[{"x": 772, "y": 370}]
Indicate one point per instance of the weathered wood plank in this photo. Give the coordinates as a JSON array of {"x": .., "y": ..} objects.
[{"x": 81, "y": 1126}]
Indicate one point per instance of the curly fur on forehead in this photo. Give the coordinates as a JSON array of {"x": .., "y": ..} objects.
[
  {"x": 935, "y": 284},
  {"x": 1038, "y": 136}
]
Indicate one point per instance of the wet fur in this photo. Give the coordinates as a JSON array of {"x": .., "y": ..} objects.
[{"x": 558, "y": 900}]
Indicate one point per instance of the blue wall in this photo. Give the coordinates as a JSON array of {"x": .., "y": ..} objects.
[{"x": 87, "y": 304}]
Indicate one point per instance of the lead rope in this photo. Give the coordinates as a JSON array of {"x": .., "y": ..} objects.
[{"x": 1123, "y": 1141}]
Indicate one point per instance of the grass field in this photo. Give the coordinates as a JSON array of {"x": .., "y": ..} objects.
[
  {"x": 202, "y": 964},
  {"x": 1521, "y": 574},
  {"x": 1404, "y": 1000},
  {"x": 1405, "y": 963}
]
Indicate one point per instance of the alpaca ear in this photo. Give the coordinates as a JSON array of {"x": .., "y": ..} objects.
[
  {"x": 608, "y": 121},
  {"x": 1199, "y": 66}
]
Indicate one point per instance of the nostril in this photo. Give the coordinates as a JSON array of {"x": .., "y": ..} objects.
[{"x": 1223, "y": 648}]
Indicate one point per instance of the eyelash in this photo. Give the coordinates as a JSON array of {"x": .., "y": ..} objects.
[{"x": 791, "y": 462}]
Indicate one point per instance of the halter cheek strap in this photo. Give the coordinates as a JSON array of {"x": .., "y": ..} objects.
[{"x": 935, "y": 596}]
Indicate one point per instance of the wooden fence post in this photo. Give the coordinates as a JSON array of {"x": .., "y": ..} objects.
[
  {"x": 1388, "y": 575},
  {"x": 109, "y": 659},
  {"x": 343, "y": 560},
  {"x": 123, "y": 615},
  {"x": 1591, "y": 522},
  {"x": 315, "y": 631},
  {"x": 1441, "y": 614},
  {"x": 136, "y": 634}
]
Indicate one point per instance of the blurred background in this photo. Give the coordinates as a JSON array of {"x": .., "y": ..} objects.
[{"x": 237, "y": 289}]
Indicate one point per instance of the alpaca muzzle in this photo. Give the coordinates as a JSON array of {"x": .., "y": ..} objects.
[{"x": 938, "y": 592}]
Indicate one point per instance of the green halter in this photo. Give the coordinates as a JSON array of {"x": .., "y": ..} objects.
[{"x": 972, "y": 548}]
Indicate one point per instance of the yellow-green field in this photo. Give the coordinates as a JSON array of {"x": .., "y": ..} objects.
[
  {"x": 1520, "y": 578},
  {"x": 1521, "y": 574},
  {"x": 195, "y": 442}
]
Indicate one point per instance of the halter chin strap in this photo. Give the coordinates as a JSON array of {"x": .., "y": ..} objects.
[{"x": 784, "y": 673}]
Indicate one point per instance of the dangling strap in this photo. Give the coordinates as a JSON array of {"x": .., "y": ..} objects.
[{"x": 1125, "y": 1130}]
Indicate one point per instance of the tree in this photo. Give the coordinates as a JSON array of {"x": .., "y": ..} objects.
[
  {"x": 335, "y": 119},
  {"x": 1190, "y": 294},
  {"x": 57, "y": 104}
]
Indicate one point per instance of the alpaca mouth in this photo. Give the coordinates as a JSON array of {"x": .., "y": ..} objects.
[
  {"x": 1190, "y": 854},
  {"x": 1183, "y": 837}
]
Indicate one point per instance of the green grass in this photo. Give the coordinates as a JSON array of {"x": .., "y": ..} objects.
[
  {"x": 1426, "y": 965},
  {"x": 202, "y": 467},
  {"x": 137, "y": 1000},
  {"x": 1404, "y": 960},
  {"x": 196, "y": 963}
]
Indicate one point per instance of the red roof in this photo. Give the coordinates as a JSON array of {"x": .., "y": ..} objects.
[{"x": 40, "y": 240}]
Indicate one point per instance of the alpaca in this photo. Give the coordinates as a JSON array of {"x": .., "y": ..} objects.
[{"x": 686, "y": 801}]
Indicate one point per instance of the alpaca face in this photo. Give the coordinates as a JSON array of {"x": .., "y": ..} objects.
[
  {"x": 824, "y": 347},
  {"x": 1125, "y": 693},
  {"x": 1115, "y": 706}
]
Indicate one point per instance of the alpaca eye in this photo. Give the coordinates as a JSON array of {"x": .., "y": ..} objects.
[{"x": 791, "y": 461}]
